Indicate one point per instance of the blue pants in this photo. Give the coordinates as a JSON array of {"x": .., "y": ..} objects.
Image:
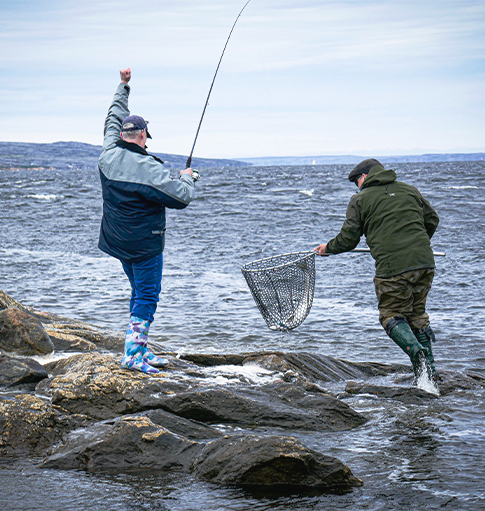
[{"x": 146, "y": 283}]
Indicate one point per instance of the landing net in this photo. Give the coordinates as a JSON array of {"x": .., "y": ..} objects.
[{"x": 282, "y": 287}]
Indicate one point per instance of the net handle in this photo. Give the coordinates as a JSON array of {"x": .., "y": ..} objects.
[
  {"x": 308, "y": 252},
  {"x": 357, "y": 250},
  {"x": 367, "y": 251}
]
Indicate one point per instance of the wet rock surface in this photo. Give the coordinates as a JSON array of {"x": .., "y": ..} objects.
[
  {"x": 273, "y": 460},
  {"x": 85, "y": 412},
  {"x": 95, "y": 385},
  {"x": 20, "y": 373},
  {"x": 64, "y": 334},
  {"x": 124, "y": 444},
  {"x": 216, "y": 406},
  {"x": 403, "y": 394},
  {"x": 192, "y": 430},
  {"x": 31, "y": 425},
  {"x": 23, "y": 334}
]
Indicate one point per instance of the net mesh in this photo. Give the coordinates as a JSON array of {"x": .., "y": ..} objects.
[{"x": 282, "y": 287}]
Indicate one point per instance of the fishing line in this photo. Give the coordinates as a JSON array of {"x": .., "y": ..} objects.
[{"x": 189, "y": 159}]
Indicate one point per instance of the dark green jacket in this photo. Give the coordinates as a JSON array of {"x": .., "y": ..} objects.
[{"x": 397, "y": 220}]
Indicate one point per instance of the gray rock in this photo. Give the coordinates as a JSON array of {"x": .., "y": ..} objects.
[
  {"x": 25, "y": 372},
  {"x": 7, "y": 301},
  {"x": 23, "y": 334},
  {"x": 30, "y": 425},
  {"x": 95, "y": 385},
  {"x": 163, "y": 422},
  {"x": 267, "y": 461},
  {"x": 192, "y": 430},
  {"x": 125, "y": 444},
  {"x": 215, "y": 406},
  {"x": 449, "y": 382},
  {"x": 67, "y": 334},
  {"x": 336, "y": 414},
  {"x": 135, "y": 443},
  {"x": 409, "y": 395},
  {"x": 321, "y": 368},
  {"x": 78, "y": 337},
  {"x": 215, "y": 359}
]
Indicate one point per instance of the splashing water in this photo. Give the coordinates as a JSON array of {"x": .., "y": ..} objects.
[{"x": 424, "y": 382}]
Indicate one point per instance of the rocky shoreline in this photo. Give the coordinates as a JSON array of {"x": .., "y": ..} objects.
[{"x": 83, "y": 411}]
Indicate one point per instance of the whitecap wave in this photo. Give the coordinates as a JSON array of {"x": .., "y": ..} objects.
[
  {"x": 307, "y": 192},
  {"x": 43, "y": 197}
]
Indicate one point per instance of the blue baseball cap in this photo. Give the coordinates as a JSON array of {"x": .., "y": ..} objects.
[{"x": 135, "y": 122}]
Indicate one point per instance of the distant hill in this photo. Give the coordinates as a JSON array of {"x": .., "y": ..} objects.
[
  {"x": 61, "y": 155},
  {"x": 353, "y": 160}
]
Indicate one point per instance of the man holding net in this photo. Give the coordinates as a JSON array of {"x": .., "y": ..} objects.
[{"x": 398, "y": 223}]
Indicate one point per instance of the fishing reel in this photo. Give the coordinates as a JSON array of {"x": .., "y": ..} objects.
[{"x": 195, "y": 175}]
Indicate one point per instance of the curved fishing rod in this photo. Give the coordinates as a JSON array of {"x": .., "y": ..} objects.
[{"x": 189, "y": 159}]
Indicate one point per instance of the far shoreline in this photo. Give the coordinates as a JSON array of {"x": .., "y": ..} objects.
[{"x": 85, "y": 150}]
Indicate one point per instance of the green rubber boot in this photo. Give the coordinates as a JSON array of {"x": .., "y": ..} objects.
[
  {"x": 400, "y": 332},
  {"x": 425, "y": 337}
]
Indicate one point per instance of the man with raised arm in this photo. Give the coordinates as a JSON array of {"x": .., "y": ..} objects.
[
  {"x": 398, "y": 223},
  {"x": 137, "y": 189}
]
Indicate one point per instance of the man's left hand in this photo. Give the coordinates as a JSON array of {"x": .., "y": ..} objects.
[{"x": 321, "y": 249}]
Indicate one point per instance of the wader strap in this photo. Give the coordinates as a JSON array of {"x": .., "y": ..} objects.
[{"x": 394, "y": 322}]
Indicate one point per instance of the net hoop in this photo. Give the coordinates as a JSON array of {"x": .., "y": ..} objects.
[
  {"x": 298, "y": 256},
  {"x": 282, "y": 287}
]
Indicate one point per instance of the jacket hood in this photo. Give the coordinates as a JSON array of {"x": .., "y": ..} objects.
[{"x": 379, "y": 176}]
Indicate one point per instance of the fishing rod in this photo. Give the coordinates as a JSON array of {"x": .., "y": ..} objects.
[{"x": 189, "y": 159}]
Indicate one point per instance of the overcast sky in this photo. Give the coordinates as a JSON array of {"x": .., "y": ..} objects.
[{"x": 299, "y": 77}]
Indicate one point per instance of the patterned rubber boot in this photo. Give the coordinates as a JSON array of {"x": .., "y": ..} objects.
[
  {"x": 135, "y": 342},
  {"x": 147, "y": 355},
  {"x": 152, "y": 359}
]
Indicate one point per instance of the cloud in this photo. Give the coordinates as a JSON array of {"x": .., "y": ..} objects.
[{"x": 297, "y": 76}]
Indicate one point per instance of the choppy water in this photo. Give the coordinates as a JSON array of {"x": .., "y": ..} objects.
[{"x": 409, "y": 457}]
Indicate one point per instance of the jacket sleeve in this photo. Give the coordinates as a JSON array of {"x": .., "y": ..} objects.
[
  {"x": 431, "y": 218},
  {"x": 351, "y": 232},
  {"x": 174, "y": 193},
  {"x": 151, "y": 180},
  {"x": 116, "y": 113}
]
